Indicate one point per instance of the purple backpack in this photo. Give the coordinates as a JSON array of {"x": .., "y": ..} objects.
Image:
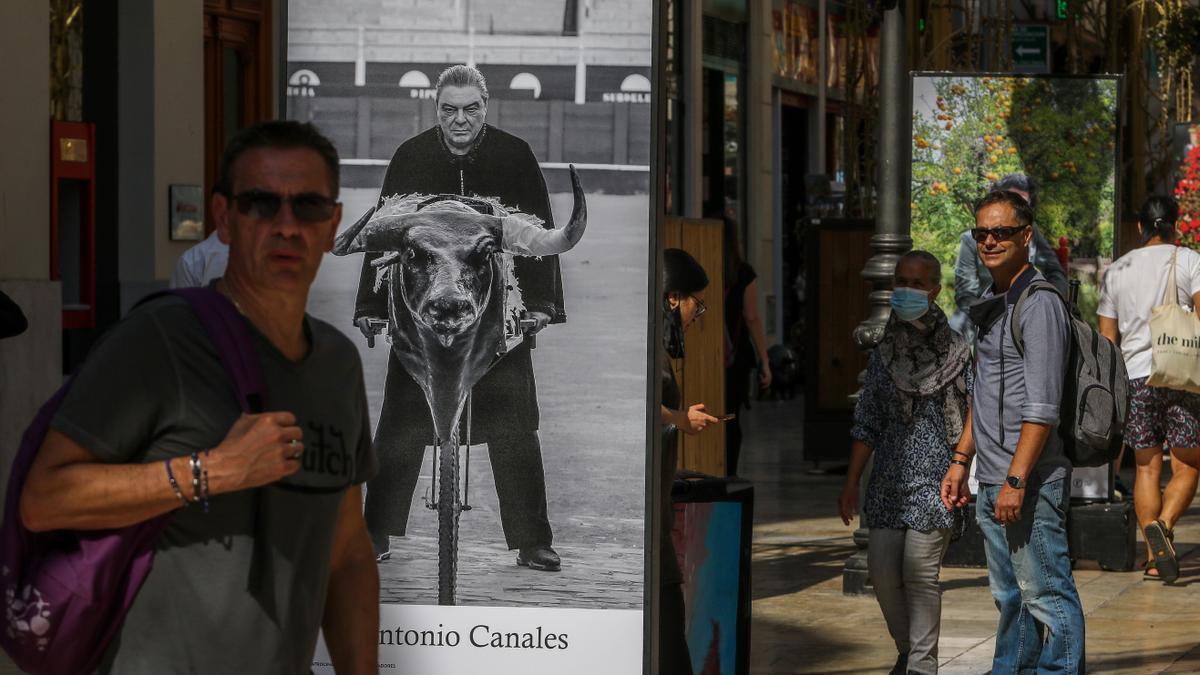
[{"x": 66, "y": 593}]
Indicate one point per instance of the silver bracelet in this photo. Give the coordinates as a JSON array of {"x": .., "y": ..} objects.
[{"x": 195, "y": 477}]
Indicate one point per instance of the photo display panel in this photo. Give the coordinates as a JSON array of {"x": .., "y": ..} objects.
[
  {"x": 499, "y": 299},
  {"x": 1057, "y": 136}
]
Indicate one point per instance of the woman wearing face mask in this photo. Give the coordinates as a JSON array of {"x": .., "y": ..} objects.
[
  {"x": 910, "y": 414},
  {"x": 683, "y": 278}
]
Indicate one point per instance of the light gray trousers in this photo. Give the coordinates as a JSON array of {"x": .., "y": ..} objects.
[{"x": 904, "y": 567}]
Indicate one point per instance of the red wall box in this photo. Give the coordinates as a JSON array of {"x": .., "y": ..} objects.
[{"x": 73, "y": 219}]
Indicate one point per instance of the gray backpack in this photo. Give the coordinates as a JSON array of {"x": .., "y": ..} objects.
[{"x": 1095, "y": 400}]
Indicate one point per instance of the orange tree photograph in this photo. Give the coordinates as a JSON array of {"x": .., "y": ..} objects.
[{"x": 970, "y": 131}]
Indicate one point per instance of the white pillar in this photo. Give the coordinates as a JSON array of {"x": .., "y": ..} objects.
[
  {"x": 360, "y": 64},
  {"x": 580, "y": 65}
]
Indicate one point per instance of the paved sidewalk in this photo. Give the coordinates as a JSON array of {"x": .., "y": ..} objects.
[{"x": 803, "y": 624}]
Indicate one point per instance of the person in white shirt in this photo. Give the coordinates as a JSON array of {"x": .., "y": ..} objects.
[
  {"x": 1134, "y": 284},
  {"x": 202, "y": 263}
]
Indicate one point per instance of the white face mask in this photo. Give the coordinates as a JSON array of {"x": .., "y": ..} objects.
[{"x": 909, "y": 304}]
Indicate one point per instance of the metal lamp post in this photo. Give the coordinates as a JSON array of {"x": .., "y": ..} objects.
[{"x": 891, "y": 237}]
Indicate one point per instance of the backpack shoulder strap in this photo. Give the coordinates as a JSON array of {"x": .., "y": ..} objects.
[
  {"x": 230, "y": 335},
  {"x": 1015, "y": 324}
]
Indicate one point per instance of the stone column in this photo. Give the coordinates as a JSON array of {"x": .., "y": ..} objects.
[{"x": 891, "y": 216}]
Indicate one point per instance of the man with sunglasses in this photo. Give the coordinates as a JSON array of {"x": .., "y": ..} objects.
[
  {"x": 463, "y": 155},
  {"x": 266, "y": 543},
  {"x": 971, "y": 276},
  {"x": 1024, "y": 476}
]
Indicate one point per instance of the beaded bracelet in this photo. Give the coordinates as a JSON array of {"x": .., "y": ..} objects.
[
  {"x": 174, "y": 483},
  {"x": 204, "y": 484}
]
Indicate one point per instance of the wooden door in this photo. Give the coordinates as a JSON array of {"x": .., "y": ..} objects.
[
  {"x": 701, "y": 373},
  {"x": 238, "y": 73},
  {"x": 838, "y": 302}
]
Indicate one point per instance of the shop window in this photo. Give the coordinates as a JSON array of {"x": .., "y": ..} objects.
[{"x": 797, "y": 41}]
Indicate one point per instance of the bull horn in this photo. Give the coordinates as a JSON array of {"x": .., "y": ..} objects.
[
  {"x": 522, "y": 238},
  {"x": 344, "y": 241},
  {"x": 381, "y": 233}
]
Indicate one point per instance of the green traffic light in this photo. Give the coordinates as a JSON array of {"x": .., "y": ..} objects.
[{"x": 1060, "y": 9}]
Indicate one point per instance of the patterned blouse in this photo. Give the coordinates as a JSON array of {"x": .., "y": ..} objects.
[{"x": 910, "y": 458}]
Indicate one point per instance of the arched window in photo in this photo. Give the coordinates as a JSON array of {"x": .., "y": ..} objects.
[
  {"x": 415, "y": 79},
  {"x": 636, "y": 83},
  {"x": 526, "y": 82},
  {"x": 303, "y": 82}
]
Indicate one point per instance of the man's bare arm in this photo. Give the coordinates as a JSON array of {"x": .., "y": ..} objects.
[
  {"x": 1029, "y": 449},
  {"x": 70, "y": 488},
  {"x": 1109, "y": 329},
  {"x": 351, "y": 621}
]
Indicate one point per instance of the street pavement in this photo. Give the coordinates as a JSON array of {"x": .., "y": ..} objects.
[
  {"x": 802, "y": 623},
  {"x": 591, "y": 380}
]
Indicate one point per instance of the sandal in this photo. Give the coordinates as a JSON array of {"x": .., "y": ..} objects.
[
  {"x": 1158, "y": 538},
  {"x": 1151, "y": 567}
]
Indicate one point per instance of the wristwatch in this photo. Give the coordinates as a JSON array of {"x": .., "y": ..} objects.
[{"x": 1016, "y": 482}]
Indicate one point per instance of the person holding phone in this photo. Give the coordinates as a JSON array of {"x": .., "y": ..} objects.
[
  {"x": 910, "y": 414},
  {"x": 683, "y": 280}
]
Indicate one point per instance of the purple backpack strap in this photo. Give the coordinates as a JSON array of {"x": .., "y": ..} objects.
[
  {"x": 68, "y": 592},
  {"x": 230, "y": 334}
]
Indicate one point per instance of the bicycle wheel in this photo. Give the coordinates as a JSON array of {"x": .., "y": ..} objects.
[{"x": 448, "y": 509}]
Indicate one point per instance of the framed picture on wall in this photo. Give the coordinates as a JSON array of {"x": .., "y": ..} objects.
[{"x": 187, "y": 213}]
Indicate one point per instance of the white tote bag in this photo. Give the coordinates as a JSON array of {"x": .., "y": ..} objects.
[{"x": 1175, "y": 341}]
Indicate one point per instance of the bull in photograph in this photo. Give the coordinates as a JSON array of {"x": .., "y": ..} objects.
[{"x": 450, "y": 297}]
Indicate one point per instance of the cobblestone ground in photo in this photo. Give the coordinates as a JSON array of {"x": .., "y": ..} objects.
[{"x": 591, "y": 385}]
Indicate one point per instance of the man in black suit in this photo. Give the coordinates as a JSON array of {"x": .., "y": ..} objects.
[{"x": 466, "y": 156}]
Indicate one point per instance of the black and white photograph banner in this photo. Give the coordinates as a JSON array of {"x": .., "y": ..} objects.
[{"x": 492, "y": 267}]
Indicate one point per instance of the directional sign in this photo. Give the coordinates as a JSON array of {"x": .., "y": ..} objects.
[{"x": 1031, "y": 48}]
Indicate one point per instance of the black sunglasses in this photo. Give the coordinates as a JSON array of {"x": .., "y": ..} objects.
[
  {"x": 981, "y": 234},
  {"x": 701, "y": 308},
  {"x": 308, "y": 207}
]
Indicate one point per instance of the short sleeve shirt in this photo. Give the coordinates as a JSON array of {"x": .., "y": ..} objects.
[
  {"x": 154, "y": 389},
  {"x": 1137, "y": 283}
]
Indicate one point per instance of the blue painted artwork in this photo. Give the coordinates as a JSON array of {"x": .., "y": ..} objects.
[{"x": 707, "y": 536}]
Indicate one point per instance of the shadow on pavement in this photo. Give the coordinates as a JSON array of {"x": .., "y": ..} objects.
[{"x": 783, "y": 569}]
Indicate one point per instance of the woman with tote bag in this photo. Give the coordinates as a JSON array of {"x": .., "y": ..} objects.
[{"x": 1142, "y": 293}]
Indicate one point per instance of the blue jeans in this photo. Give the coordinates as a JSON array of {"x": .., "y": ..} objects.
[{"x": 1029, "y": 570}]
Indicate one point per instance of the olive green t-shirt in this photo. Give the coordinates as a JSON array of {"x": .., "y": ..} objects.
[{"x": 240, "y": 589}]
